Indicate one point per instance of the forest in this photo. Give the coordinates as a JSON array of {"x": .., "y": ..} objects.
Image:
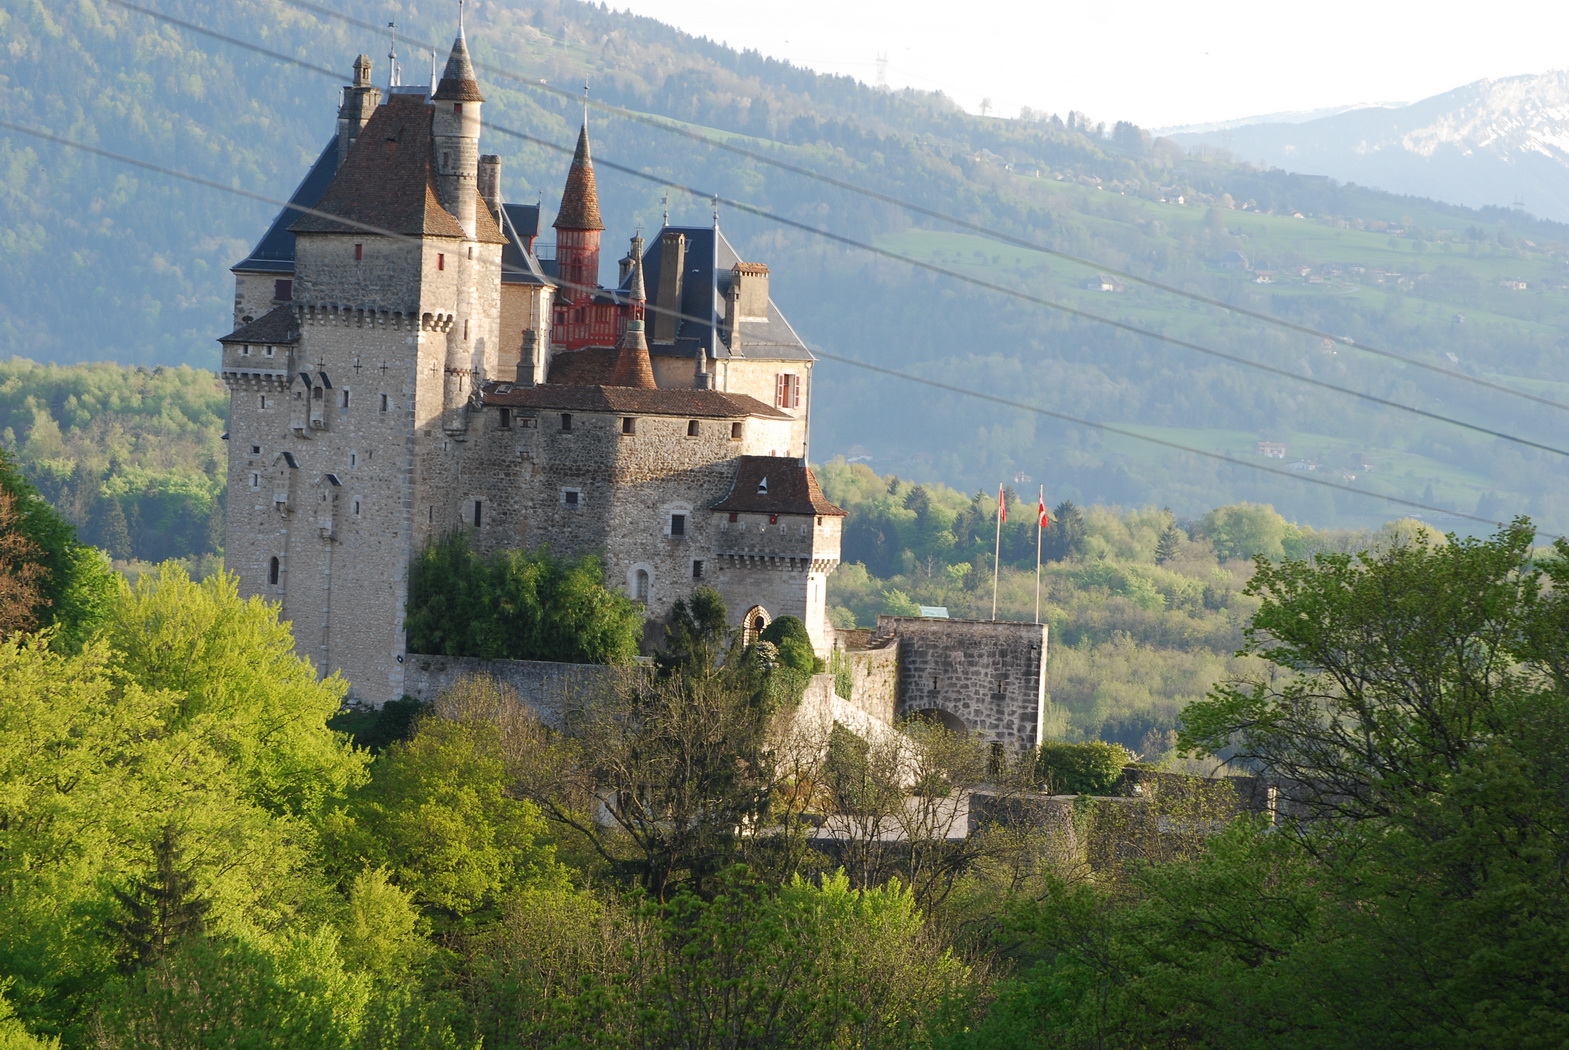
[
  {"x": 1477, "y": 295},
  {"x": 200, "y": 847}
]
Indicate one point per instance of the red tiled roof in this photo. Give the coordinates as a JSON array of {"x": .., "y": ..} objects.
[
  {"x": 776, "y": 485},
  {"x": 275, "y": 326},
  {"x": 388, "y": 181},
  {"x": 590, "y": 367},
  {"x": 580, "y": 198},
  {"x": 633, "y": 367},
  {"x": 705, "y": 404},
  {"x": 458, "y": 82}
]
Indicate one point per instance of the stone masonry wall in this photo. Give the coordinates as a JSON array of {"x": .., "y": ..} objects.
[
  {"x": 550, "y": 689},
  {"x": 990, "y": 675}
]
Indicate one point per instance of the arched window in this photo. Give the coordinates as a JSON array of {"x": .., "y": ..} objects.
[
  {"x": 272, "y": 572},
  {"x": 640, "y": 586}
]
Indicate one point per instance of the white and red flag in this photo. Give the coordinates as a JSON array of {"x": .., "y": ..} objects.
[
  {"x": 1002, "y": 505},
  {"x": 1043, "y": 520}
]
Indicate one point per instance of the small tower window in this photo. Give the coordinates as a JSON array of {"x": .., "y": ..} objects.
[
  {"x": 479, "y": 510},
  {"x": 505, "y": 419},
  {"x": 457, "y": 109},
  {"x": 691, "y": 428},
  {"x": 441, "y": 261},
  {"x": 697, "y": 569},
  {"x": 272, "y": 572},
  {"x": 640, "y": 586},
  {"x": 356, "y": 506},
  {"x": 384, "y": 402},
  {"x": 255, "y": 481},
  {"x": 316, "y": 392},
  {"x": 283, "y": 290},
  {"x": 735, "y": 431},
  {"x": 678, "y": 524},
  {"x": 628, "y": 425},
  {"x": 359, "y": 253},
  {"x": 566, "y": 421},
  {"x": 345, "y": 399},
  {"x": 263, "y": 403}
]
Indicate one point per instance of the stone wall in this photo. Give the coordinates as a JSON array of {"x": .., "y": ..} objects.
[
  {"x": 989, "y": 675},
  {"x": 550, "y": 689}
]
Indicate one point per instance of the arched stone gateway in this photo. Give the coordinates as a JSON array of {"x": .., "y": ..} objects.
[
  {"x": 754, "y": 623},
  {"x": 981, "y": 676},
  {"x": 937, "y": 716}
]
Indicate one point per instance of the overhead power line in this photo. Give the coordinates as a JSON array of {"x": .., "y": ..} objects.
[
  {"x": 212, "y": 184},
  {"x": 988, "y": 232},
  {"x": 934, "y": 268}
]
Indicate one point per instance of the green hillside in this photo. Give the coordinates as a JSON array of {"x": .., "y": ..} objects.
[{"x": 106, "y": 261}]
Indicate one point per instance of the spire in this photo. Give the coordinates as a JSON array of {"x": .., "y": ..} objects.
[
  {"x": 580, "y": 198},
  {"x": 458, "y": 82},
  {"x": 633, "y": 367}
]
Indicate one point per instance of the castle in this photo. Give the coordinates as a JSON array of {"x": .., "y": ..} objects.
[{"x": 404, "y": 364}]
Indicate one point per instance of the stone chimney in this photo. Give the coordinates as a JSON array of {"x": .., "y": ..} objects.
[
  {"x": 667, "y": 298},
  {"x": 490, "y": 183}
]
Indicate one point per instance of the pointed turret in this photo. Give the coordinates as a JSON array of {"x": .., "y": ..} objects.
[
  {"x": 458, "y": 82},
  {"x": 578, "y": 227},
  {"x": 633, "y": 365},
  {"x": 455, "y": 131}
]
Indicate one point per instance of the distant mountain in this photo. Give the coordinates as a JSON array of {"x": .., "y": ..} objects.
[{"x": 1495, "y": 142}]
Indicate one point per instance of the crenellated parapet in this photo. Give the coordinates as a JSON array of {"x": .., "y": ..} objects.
[{"x": 347, "y": 315}]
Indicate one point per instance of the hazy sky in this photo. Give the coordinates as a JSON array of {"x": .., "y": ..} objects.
[{"x": 1156, "y": 64}]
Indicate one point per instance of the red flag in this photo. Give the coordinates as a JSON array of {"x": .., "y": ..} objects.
[
  {"x": 1041, "y": 511},
  {"x": 1002, "y": 505}
]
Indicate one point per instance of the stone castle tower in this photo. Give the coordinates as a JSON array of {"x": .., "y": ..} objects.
[{"x": 404, "y": 365}]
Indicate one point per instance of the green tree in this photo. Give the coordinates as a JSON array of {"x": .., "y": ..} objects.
[
  {"x": 1064, "y": 538},
  {"x": 1246, "y": 530},
  {"x": 1090, "y": 768}
]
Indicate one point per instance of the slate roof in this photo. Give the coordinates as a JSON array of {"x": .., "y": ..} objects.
[
  {"x": 580, "y": 197},
  {"x": 519, "y": 264},
  {"x": 705, "y": 404},
  {"x": 274, "y": 253},
  {"x": 388, "y": 181},
  {"x": 776, "y": 485},
  {"x": 277, "y": 326},
  {"x": 709, "y": 260},
  {"x": 458, "y": 82}
]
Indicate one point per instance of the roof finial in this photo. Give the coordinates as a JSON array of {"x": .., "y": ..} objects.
[
  {"x": 432, "y": 71},
  {"x": 716, "y": 211},
  {"x": 460, "y": 17},
  {"x": 585, "y": 103},
  {"x": 392, "y": 55},
  {"x": 665, "y": 201}
]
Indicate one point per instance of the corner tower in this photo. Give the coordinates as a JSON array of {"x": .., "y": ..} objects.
[{"x": 455, "y": 128}]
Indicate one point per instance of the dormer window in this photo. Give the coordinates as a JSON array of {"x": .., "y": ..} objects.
[{"x": 762, "y": 487}]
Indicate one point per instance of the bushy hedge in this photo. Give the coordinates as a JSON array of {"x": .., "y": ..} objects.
[
  {"x": 517, "y": 605},
  {"x": 1090, "y": 768}
]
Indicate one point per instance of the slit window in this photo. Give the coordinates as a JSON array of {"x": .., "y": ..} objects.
[
  {"x": 441, "y": 261},
  {"x": 272, "y": 572},
  {"x": 479, "y": 510},
  {"x": 359, "y": 253},
  {"x": 345, "y": 399},
  {"x": 384, "y": 402}
]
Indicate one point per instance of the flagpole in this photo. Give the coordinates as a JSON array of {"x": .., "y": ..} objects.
[
  {"x": 1039, "y": 528},
  {"x": 997, "y": 549}
]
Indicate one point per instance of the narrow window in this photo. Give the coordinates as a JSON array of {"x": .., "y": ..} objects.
[
  {"x": 471, "y": 251},
  {"x": 735, "y": 431},
  {"x": 640, "y": 586},
  {"x": 691, "y": 428},
  {"x": 356, "y": 506},
  {"x": 345, "y": 399},
  {"x": 506, "y": 419},
  {"x": 384, "y": 402},
  {"x": 255, "y": 481},
  {"x": 359, "y": 253},
  {"x": 245, "y": 350},
  {"x": 316, "y": 392},
  {"x": 787, "y": 390},
  {"x": 441, "y": 261},
  {"x": 465, "y": 329},
  {"x": 628, "y": 425},
  {"x": 263, "y": 401},
  {"x": 478, "y": 510},
  {"x": 697, "y": 569},
  {"x": 272, "y": 572},
  {"x": 430, "y": 515},
  {"x": 566, "y": 421},
  {"x": 269, "y": 352},
  {"x": 678, "y": 524},
  {"x": 354, "y": 458},
  {"x": 457, "y": 109}
]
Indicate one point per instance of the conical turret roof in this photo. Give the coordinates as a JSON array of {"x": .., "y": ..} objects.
[
  {"x": 458, "y": 82},
  {"x": 580, "y": 198}
]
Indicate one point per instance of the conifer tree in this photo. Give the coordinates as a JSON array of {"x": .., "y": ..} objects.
[{"x": 160, "y": 910}]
